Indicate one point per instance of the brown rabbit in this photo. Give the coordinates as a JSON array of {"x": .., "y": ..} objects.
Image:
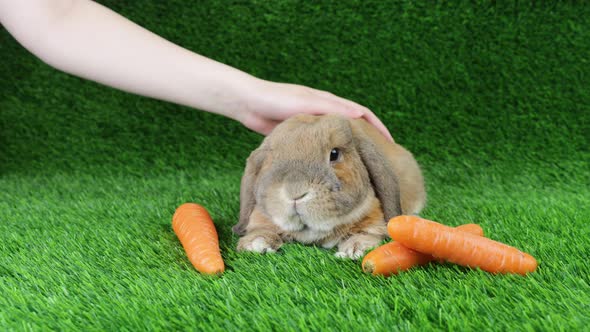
[{"x": 326, "y": 180}]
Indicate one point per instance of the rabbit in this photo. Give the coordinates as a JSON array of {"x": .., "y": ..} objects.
[{"x": 326, "y": 180}]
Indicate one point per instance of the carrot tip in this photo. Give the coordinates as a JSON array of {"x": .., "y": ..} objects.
[
  {"x": 217, "y": 273},
  {"x": 368, "y": 267}
]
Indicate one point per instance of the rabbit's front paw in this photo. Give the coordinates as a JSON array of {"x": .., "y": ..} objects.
[
  {"x": 259, "y": 243},
  {"x": 355, "y": 246}
]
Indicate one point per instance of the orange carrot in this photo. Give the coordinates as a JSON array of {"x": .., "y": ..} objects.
[
  {"x": 458, "y": 247},
  {"x": 393, "y": 257},
  {"x": 196, "y": 231}
]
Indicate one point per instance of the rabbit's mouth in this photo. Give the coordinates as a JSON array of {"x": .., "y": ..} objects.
[
  {"x": 291, "y": 212},
  {"x": 291, "y": 223}
]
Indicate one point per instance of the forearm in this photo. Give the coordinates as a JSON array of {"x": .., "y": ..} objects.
[{"x": 88, "y": 40}]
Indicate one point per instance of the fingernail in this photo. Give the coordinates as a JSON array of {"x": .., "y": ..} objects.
[{"x": 356, "y": 113}]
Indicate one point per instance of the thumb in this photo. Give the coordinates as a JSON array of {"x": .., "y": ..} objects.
[{"x": 260, "y": 125}]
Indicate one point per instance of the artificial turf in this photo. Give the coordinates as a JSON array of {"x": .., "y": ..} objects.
[{"x": 492, "y": 99}]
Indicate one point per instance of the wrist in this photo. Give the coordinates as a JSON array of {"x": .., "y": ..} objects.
[{"x": 235, "y": 94}]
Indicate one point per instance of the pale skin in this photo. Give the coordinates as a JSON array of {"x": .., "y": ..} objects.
[{"x": 86, "y": 39}]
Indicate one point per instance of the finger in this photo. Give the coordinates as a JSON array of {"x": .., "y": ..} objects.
[
  {"x": 353, "y": 105},
  {"x": 334, "y": 106},
  {"x": 260, "y": 125},
  {"x": 341, "y": 105},
  {"x": 374, "y": 120},
  {"x": 354, "y": 110}
]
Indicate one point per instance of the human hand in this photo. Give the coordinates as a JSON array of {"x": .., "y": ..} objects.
[{"x": 271, "y": 102}]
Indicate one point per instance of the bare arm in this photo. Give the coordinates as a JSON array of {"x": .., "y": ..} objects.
[{"x": 86, "y": 39}]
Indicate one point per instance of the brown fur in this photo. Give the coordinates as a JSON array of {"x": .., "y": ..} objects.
[
  {"x": 372, "y": 223},
  {"x": 406, "y": 169},
  {"x": 292, "y": 191}
]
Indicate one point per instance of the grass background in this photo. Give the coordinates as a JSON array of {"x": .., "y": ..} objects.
[{"x": 491, "y": 98}]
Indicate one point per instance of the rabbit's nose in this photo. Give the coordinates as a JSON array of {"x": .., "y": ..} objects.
[
  {"x": 297, "y": 194},
  {"x": 300, "y": 197}
]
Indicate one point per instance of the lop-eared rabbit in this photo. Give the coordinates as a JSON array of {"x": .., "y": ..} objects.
[{"x": 326, "y": 180}]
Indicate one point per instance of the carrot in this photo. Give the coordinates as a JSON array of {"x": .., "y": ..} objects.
[
  {"x": 196, "y": 232},
  {"x": 393, "y": 257},
  {"x": 458, "y": 247}
]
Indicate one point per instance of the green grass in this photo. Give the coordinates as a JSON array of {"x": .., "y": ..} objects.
[{"x": 493, "y": 100}]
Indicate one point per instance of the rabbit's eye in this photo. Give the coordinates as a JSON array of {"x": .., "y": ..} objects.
[{"x": 335, "y": 154}]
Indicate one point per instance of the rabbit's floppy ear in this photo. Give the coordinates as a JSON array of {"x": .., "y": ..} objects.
[
  {"x": 247, "y": 187},
  {"x": 370, "y": 146}
]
